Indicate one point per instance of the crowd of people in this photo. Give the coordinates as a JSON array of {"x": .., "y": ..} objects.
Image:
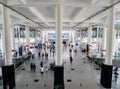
[
  {"x": 43, "y": 56},
  {"x": 45, "y": 51}
]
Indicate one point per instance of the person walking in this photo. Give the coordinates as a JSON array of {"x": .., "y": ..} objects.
[
  {"x": 70, "y": 50},
  {"x": 41, "y": 63},
  {"x": 71, "y": 59},
  {"x": 43, "y": 56},
  {"x": 46, "y": 69},
  {"x": 34, "y": 67},
  {"x": 50, "y": 50},
  {"x": 39, "y": 54},
  {"x": 116, "y": 74},
  {"x": 42, "y": 70},
  {"x": 46, "y": 56},
  {"x": 53, "y": 52},
  {"x": 31, "y": 67}
]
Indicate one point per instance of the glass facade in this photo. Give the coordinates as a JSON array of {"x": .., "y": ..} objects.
[{"x": 117, "y": 46}]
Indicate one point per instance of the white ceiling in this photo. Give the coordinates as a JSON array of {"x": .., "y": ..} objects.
[{"x": 74, "y": 11}]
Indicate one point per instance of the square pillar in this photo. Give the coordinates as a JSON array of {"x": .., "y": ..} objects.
[
  {"x": 106, "y": 76},
  {"x": 8, "y": 74},
  {"x": 59, "y": 76}
]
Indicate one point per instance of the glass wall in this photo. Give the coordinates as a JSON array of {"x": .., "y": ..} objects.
[
  {"x": 96, "y": 40},
  {"x": 19, "y": 37},
  {"x": 117, "y": 46},
  {"x": 50, "y": 36}
]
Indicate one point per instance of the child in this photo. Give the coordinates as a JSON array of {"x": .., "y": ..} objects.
[
  {"x": 46, "y": 69},
  {"x": 42, "y": 70}
]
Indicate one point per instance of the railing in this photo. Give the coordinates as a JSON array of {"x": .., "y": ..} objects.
[
  {"x": 116, "y": 57},
  {"x": 20, "y": 60}
]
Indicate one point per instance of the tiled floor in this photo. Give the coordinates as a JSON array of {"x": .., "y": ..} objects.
[{"x": 83, "y": 74}]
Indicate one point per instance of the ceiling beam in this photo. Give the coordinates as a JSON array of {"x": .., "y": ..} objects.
[
  {"x": 64, "y": 20},
  {"x": 100, "y": 16},
  {"x": 36, "y": 13},
  {"x": 79, "y": 14},
  {"x": 95, "y": 1},
  {"x": 5, "y": 5},
  {"x": 44, "y": 4},
  {"x": 22, "y": 1},
  {"x": 97, "y": 13}
]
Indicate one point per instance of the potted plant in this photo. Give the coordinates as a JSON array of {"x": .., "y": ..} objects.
[{"x": 58, "y": 87}]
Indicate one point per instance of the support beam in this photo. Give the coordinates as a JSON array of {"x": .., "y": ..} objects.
[
  {"x": 35, "y": 12},
  {"x": 27, "y": 36},
  {"x": 82, "y": 11},
  {"x": 106, "y": 69},
  {"x": 58, "y": 69},
  {"x": 38, "y": 15},
  {"x": 58, "y": 47},
  {"x": 89, "y": 35},
  {"x": 7, "y": 35},
  {"x": 110, "y": 36},
  {"x": 104, "y": 41},
  {"x": 12, "y": 32}
]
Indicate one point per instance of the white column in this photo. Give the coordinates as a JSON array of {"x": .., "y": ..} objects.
[
  {"x": 89, "y": 35},
  {"x": 58, "y": 47},
  {"x": 19, "y": 38},
  {"x": 3, "y": 38},
  {"x": 98, "y": 43},
  {"x": 110, "y": 36},
  {"x": 40, "y": 37},
  {"x": 7, "y": 35},
  {"x": 35, "y": 35},
  {"x": 43, "y": 39},
  {"x": 80, "y": 36},
  {"x": 73, "y": 37},
  {"x": 12, "y": 32},
  {"x": 27, "y": 36},
  {"x": 45, "y": 36},
  {"x": 97, "y": 39},
  {"x": 104, "y": 41}
]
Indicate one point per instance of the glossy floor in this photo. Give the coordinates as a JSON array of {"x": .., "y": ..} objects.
[{"x": 82, "y": 73}]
